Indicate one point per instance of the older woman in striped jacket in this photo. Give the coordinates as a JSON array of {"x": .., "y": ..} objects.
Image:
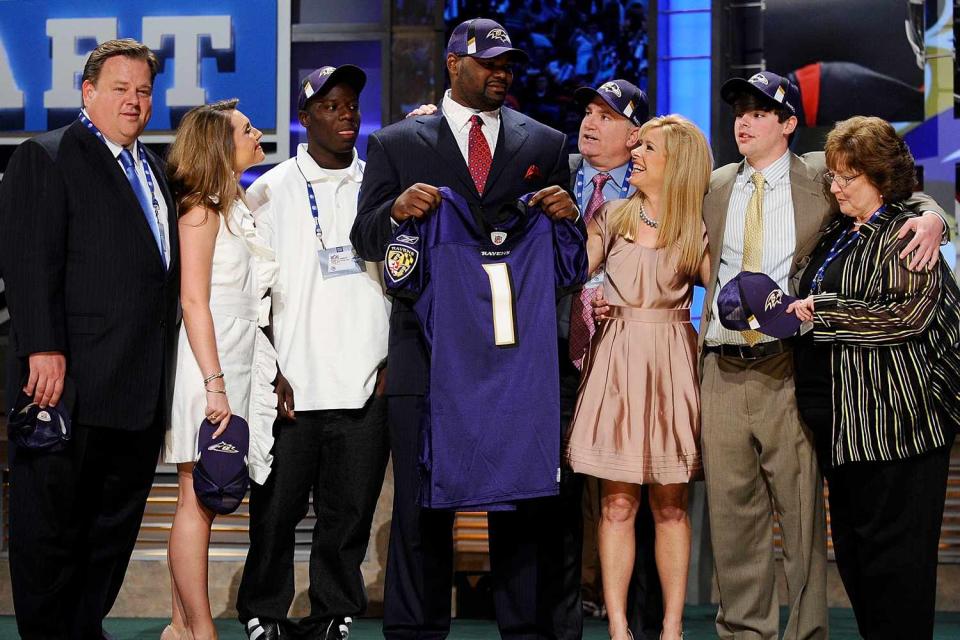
[{"x": 878, "y": 382}]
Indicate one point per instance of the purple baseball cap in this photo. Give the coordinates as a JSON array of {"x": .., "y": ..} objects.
[
  {"x": 767, "y": 85},
  {"x": 220, "y": 477},
  {"x": 754, "y": 301},
  {"x": 319, "y": 81},
  {"x": 48, "y": 429},
  {"x": 482, "y": 38},
  {"x": 623, "y": 97}
]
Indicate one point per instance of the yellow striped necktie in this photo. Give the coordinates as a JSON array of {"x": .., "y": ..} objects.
[{"x": 753, "y": 241}]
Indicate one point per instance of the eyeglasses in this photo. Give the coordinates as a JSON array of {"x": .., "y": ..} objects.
[{"x": 843, "y": 181}]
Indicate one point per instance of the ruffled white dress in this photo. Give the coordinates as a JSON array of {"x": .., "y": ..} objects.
[{"x": 243, "y": 269}]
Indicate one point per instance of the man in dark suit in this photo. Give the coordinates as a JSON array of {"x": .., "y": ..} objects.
[
  {"x": 89, "y": 255},
  {"x": 488, "y": 154}
]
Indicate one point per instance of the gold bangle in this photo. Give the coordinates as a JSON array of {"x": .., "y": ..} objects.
[
  {"x": 212, "y": 376},
  {"x": 223, "y": 391}
]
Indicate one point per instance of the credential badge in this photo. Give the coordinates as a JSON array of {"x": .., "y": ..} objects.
[{"x": 401, "y": 259}]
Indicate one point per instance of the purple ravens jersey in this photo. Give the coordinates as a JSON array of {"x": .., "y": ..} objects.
[{"x": 485, "y": 294}]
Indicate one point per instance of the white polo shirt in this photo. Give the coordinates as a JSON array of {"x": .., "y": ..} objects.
[{"x": 331, "y": 333}]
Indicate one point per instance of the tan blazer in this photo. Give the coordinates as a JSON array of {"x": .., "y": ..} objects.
[{"x": 813, "y": 208}]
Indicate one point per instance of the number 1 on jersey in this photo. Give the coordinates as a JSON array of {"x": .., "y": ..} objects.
[{"x": 502, "y": 301}]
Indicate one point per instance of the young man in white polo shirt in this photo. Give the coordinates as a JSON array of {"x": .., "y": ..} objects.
[{"x": 330, "y": 324}]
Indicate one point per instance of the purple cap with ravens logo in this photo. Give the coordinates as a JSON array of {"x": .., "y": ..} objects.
[
  {"x": 324, "y": 78},
  {"x": 767, "y": 85},
  {"x": 623, "y": 97},
  {"x": 220, "y": 477},
  {"x": 482, "y": 38},
  {"x": 754, "y": 301}
]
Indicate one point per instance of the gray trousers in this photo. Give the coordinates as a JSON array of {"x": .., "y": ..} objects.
[{"x": 759, "y": 460}]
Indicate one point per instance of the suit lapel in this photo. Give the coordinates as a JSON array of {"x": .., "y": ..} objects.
[
  {"x": 513, "y": 135},
  {"x": 808, "y": 211},
  {"x": 715, "y": 207},
  {"x": 103, "y": 162},
  {"x": 437, "y": 134}
]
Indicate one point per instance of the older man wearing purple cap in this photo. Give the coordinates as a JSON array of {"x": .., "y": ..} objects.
[
  {"x": 765, "y": 214},
  {"x": 489, "y": 154}
]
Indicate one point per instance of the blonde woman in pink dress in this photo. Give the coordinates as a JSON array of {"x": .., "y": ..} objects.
[{"x": 637, "y": 418}]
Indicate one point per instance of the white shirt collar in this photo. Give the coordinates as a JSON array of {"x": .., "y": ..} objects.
[
  {"x": 772, "y": 174},
  {"x": 116, "y": 148},
  {"x": 459, "y": 116},
  {"x": 315, "y": 173}
]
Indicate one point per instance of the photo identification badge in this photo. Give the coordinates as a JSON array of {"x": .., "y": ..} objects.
[{"x": 337, "y": 262}]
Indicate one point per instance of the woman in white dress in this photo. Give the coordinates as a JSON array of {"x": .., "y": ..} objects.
[{"x": 225, "y": 363}]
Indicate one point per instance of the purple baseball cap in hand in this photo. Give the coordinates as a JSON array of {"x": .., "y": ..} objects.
[
  {"x": 623, "y": 97},
  {"x": 482, "y": 38},
  {"x": 754, "y": 301},
  {"x": 220, "y": 477},
  {"x": 766, "y": 85}
]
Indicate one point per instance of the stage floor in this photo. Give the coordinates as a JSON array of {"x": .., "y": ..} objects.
[{"x": 698, "y": 622}]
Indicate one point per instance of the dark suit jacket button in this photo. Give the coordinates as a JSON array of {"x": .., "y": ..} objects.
[{"x": 163, "y": 324}]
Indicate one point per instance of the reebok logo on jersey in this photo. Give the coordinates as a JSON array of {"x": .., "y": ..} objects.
[
  {"x": 223, "y": 447},
  {"x": 408, "y": 239}
]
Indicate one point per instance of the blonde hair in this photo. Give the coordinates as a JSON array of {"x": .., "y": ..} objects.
[
  {"x": 200, "y": 160},
  {"x": 685, "y": 180}
]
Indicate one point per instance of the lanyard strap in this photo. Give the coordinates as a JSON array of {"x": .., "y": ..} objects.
[
  {"x": 143, "y": 162},
  {"x": 314, "y": 210},
  {"x": 839, "y": 246},
  {"x": 578, "y": 186}
]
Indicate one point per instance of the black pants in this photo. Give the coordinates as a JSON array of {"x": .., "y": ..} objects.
[
  {"x": 341, "y": 456},
  {"x": 885, "y": 519},
  {"x": 74, "y": 519},
  {"x": 420, "y": 561}
]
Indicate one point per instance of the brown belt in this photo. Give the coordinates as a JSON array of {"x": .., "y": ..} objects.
[
  {"x": 635, "y": 314},
  {"x": 746, "y": 352}
]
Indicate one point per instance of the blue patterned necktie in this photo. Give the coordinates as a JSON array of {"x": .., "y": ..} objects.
[{"x": 126, "y": 159}]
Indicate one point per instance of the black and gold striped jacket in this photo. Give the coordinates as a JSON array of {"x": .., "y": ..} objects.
[{"x": 896, "y": 349}]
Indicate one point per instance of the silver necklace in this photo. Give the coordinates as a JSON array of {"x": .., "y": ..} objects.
[{"x": 647, "y": 221}]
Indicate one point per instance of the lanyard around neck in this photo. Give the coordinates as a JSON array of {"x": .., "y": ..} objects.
[{"x": 578, "y": 185}]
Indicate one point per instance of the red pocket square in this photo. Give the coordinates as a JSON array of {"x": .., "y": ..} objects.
[{"x": 533, "y": 172}]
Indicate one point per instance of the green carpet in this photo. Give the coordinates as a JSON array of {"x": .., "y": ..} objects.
[{"x": 698, "y": 623}]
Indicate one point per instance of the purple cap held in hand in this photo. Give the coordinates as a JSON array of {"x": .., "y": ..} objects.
[
  {"x": 220, "y": 477},
  {"x": 754, "y": 301},
  {"x": 482, "y": 38}
]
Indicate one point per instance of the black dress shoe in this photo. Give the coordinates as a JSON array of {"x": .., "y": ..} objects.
[{"x": 262, "y": 629}]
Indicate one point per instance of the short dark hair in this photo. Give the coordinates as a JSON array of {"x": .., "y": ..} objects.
[
  {"x": 126, "y": 47},
  {"x": 747, "y": 101},
  {"x": 872, "y": 147}
]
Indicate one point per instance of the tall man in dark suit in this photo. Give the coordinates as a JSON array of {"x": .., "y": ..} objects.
[
  {"x": 488, "y": 154},
  {"x": 89, "y": 255}
]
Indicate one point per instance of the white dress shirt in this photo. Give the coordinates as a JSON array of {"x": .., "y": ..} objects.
[
  {"x": 779, "y": 237},
  {"x": 330, "y": 334},
  {"x": 458, "y": 117}
]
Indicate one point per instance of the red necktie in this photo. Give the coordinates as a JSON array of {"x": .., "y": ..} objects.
[
  {"x": 582, "y": 326},
  {"x": 478, "y": 152}
]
